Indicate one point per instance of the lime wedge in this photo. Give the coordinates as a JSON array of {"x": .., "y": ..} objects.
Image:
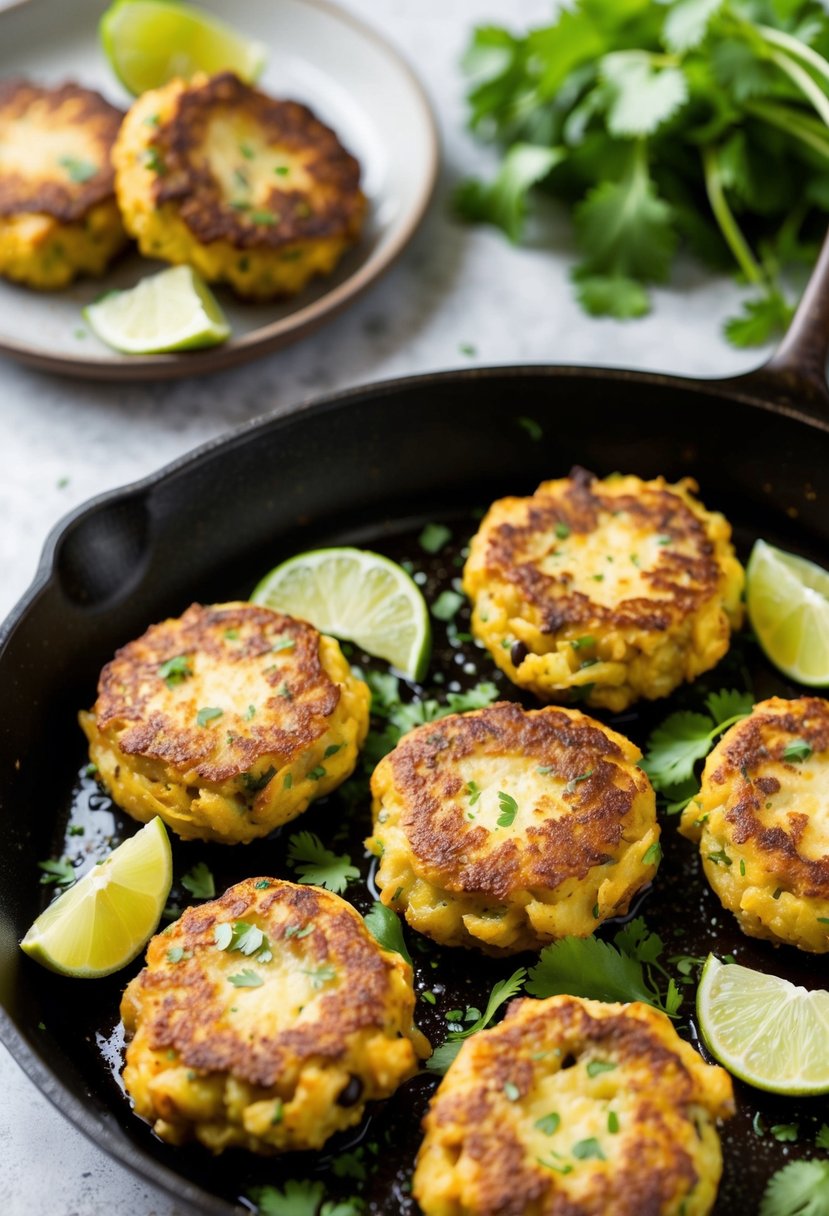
[
  {"x": 788, "y": 606},
  {"x": 766, "y": 1031},
  {"x": 149, "y": 42},
  {"x": 105, "y": 920},
  {"x": 172, "y": 310},
  {"x": 358, "y": 596}
]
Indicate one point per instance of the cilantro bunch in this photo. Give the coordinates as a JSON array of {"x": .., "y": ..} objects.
[{"x": 661, "y": 120}]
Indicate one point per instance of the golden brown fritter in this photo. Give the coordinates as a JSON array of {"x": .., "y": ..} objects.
[
  {"x": 613, "y": 589},
  {"x": 58, "y": 215},
  {"x": 266, "y": 1019},
  {"x": 249, "y": 190},
  {"x": 226, "y": 721},
  {"x": 506, "y": 829},
  {"x": 574, "y": 1108},
  {"x": 762, "y": 822}
]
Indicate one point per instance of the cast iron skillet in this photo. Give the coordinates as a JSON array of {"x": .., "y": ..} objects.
[{"x": 370, "y": 466}]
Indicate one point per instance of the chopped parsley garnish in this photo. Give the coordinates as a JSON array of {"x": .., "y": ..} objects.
[
  {"x": 232, "y": 635},
  {"x": 244, "y": 937},
  {"x": 583, "y": 643},
  {"x": 509, "y": 809},
  {"x": 799, "y": 749},
  {"x": 434, "y": 537},
  {"x": 283, "y": 644},
  {"x": 253, "y": 784},
  {"x": 266, "y": 218},
  {"x": 595, "y": 1067},
  {"x": 262, "y": 884},
  {"x": 428, "y": 997},
  {"x": 322, "y": 975},
  {"x": 282, "y": 170},
  {"x": 466, "y": 348},
  {"x": 570, "y": 787},
  {"x": 78, "y": 170},
  {"x": 511, "y": 1091},
  {"x": 652, "y": 855},
  {"x": 532, "y": 428},
  {"x": 176, "y": 670},
  {"x": 247, "y": 151},
  {"x": 299, "y": 931},
  {"x": 473, "y": 792},
  {"x": 720, "y": 858},
  {"x": 317, "y": 773},
  {"x": 250, "y": 713},
  {"x": 822, "y": 1138},
  {"x": 199, "y": 881},
  {"x": 316, "y": 864},
  {"x": 562, "y": 530},
  {"x": 331, "y": 750},
  {"x": 785, "y": 1132},
  {"x": 61, "y": 873},
  {"x": 549, "y": 1123},
  {"x": 612, "y": 1122},
  {"x": 246, "y": 979},
  {"x": 686, "y": 737},
  {"x": 300, "y": 1198},
  {"x": 177, "y": 954},
  {"x": 287, "y": 781},
  {"x": 585, "y": 1150},
  {"x": 446, "y": 605},
  {"x": 597, "y": 970},
  {"x": 502, "y": 992},
  {"x": 208, "y": 713},
  {"x": 384, "y": 926},
  {"x": 154, "y": 162}
]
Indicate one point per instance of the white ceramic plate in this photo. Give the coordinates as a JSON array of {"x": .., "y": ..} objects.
[{"x": 317, "y": 54}]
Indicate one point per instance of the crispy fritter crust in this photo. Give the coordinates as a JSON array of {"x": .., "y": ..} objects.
[
  {"x": 292, "y": 719},
  {"x": 250, "y": 190},
  {"x": 282, "y": 1064},
  {"x": 762, "y": 822},
  {"x": 573, "y": 854},
  {"x": 492, "y": 1148},
  {"x": 58, "y": 215},
  {"x": 613, "y": 589}
]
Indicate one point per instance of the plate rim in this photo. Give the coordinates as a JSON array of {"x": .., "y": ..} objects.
[{"x": 276, "y": 334}]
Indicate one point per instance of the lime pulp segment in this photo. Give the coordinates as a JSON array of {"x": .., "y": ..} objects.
[
  {"x": 169, "y": 311},
  {"x": 103, "y": 921},
  {"x": 149, "y": 42},
  {"x": 358, "y": 596},
  {"x": 765, "y": 1030},
  {"x": 788, "y": 606}
]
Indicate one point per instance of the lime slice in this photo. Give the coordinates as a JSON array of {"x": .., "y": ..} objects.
[
  {"x": 100, "y": 924},
  {"x": 149, "y": 42},
  {"x": 788, "y": 606},
  {"x": 769, "y": 1033},
  {"x": 358, "y": 596},
  {"x": 172, "y": 310}
]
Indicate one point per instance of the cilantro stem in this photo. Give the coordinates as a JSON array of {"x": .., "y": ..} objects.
[
  {"x": 795, "y": 47},
  {"x": 801, "y": 78},
  {"x": 723, "y": 726},
  {"x": 725, "y": 218},
  {"x": 807, "y": 130}
]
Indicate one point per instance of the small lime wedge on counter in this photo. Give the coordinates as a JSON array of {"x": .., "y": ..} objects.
[
  {"x": 149, "y": 42},
  {"x": 358, "y": 596},
  {"x": 768, "y": 1032},
  {"x": 788, "y": 606},
  {"x": 106, "y": 919},
  {"x": 169, "y": 311}
]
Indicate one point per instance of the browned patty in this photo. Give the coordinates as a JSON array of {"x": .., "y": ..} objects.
[
  {"x": 292, "y": 685},
  {"x": 65, "y": 190},
  {"x": 179, "y": 146}
]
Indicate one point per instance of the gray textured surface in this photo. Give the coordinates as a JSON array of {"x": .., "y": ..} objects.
[{"x": 63, "y": 441}]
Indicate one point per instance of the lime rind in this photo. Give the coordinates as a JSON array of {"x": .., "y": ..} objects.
[
  {"x": 173, "y": 310},
  {"x": 149, "y": 42},
  {"x": 104, "y": 921},
  {"x": 765, "y": 1030},
  {"x": 788, "y": 607},
  {"x": 358, "y": 596}
]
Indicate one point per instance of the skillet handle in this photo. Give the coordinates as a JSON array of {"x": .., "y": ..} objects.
[{"x": 795, "y": 375}]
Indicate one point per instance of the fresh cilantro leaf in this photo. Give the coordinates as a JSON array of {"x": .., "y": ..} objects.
[
  {"x": 199, "y": 881},
  {"x": 822, "y": 1138},
  {"x": 61, "y": 873},
  {"x": 611, "y": 295},
  {"x": 433, "y": 537},
  {"x": 589, "y": 968},
  {"x": 446, "y": 605},
  {"x": 255, "y": 783},
  {"x": 78, "y": 170},
  {"x": 685, "y": 737},
  {"x": 503, "y": 201},
  {"x": 343, "y": 1207},
  {"x": 643, "y": 96},
  {"x": 636, "y": 940},
  {"x": 316, "y": 864},
  {"x": 584, "y": 1150},
  {"x": 532, "y": 428},
  {"x": 296, "y": 1198},
  {"x": 797, "y": 750},
  {"x": 208, "y": 713},
  {"x": 800, "y": 1188},
  {"x": 478, "y": 697},
  {"x": 350, "y": 1165},
  {"x": 762, "y": 319},
  {"x": 322, "y": 975},
  {"x": 729, "y": 703},
  {"x": 501, "y": 992},
  {"x": 384, "y": 926},
  {"x": 686, "y": 23},
  {"x": 246, "y": 979},
  {"x": 509, "y": 809},
  {"x": 175, "y": 670}
]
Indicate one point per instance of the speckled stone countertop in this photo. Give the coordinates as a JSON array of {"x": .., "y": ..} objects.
[{"x": 457, "y": 296}]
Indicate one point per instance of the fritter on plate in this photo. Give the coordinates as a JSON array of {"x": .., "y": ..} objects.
[
  {"x": 506, "y": 828},
  {"x": 266, "y": 1019},
  {"x": 574, "y": 1107},
  {"x": 250, "y": 190},
  {"x": 226, "y": 721},
  {"x": 58, "y": 215},
  {"x": 762, "y": 822},
  {"x": 610, "y": 589}
]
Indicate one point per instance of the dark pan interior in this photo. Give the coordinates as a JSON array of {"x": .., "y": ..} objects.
[{"x": 367, "y": 467}]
